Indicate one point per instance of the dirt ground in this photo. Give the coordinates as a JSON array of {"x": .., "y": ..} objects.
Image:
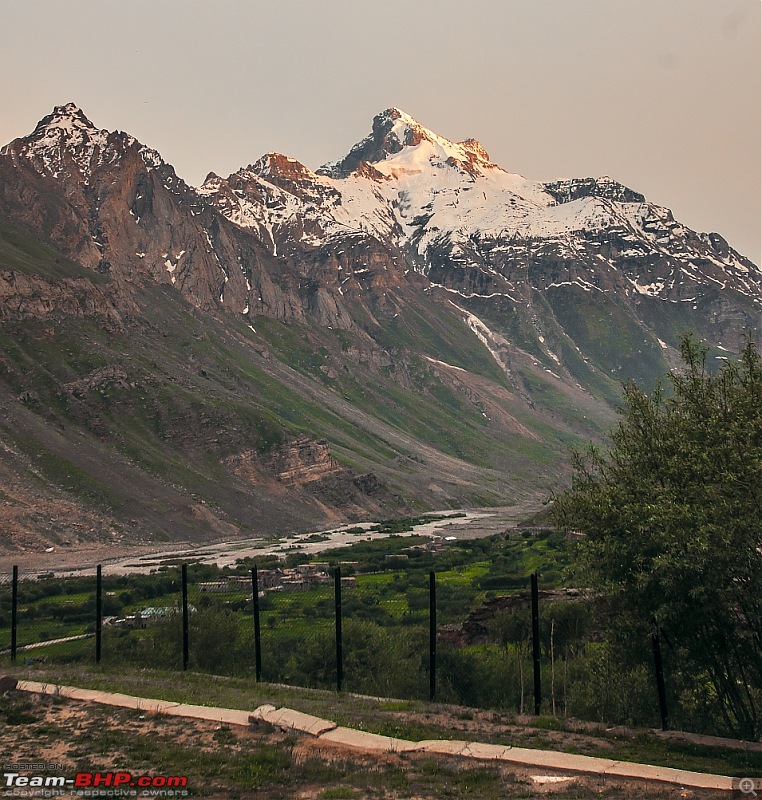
[{"x": 236, "y": 762}]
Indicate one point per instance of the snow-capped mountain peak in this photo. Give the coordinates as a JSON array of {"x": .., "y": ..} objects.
[
  {"x": 277, "y": 165},
  {"x": 447, "y": 205},
  {"x": 67, "y": 141},
  {"x": 65, "y": 135},
  {"x": 68, "y": 119},
  {"x": 400, "y": 129},
  {"x": 398, "y": 138}
]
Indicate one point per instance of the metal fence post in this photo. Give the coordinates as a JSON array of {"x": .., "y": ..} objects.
[
  {"x": 98, "y": 612},
  {"x": 186, "y": 648},
  {"x": 257, "y": 632},
  {"x": 536, "y": 644},
  {"x": 339, "y": 643},
  {"x": 660, "y": 687},
  {"x": 432, "y": 635},
  {"x": 14, "y": 610}
]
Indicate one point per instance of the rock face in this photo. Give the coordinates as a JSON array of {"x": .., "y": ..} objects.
[
  {"x": 306, "y": 465},
  {"x": 302, "y": 461},
  {"x": 32, "y": 297}
]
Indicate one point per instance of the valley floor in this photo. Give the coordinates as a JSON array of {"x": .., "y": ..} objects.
[{"x": 120, "y": 559}]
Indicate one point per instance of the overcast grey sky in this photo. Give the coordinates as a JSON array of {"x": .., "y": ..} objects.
[{"x": 663, "y": 95}]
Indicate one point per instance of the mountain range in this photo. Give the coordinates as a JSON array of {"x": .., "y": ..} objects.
[{"x": 409, "y": 327}]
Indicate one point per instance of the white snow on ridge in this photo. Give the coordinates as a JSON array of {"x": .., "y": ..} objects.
[
  {"x": 68, "y": 137},
  {"x": 583, "y": 284},
  {"x": 468, "y": 295},
  {"x": 450, "y": 196},
  {"x": 653, "y": 289},
  {"x": 444, "y": 364},
  {"x": 492, "y": 341},
  {"x": 151, "y": 158},
  {"x": 359, "y": 210},
  {"x": 425, "y": 198},
  {"x": 67, "y": 132}
]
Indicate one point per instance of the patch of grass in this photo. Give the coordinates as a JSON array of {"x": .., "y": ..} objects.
[
  {"x": 63, "y": 472},
  {"x": 548, "y": 723},
  {"x": 339, "y": 793},
  {"x": 442, "y": 336},
  {"x": 396, "y": 705},
  {"x": 260, "y": 768},
  {"x": 17, "y": 711},
  {"x": 478, "y": 779},
  {"x": 608, "y": 334},
  {"x": 25, "y": 252}
]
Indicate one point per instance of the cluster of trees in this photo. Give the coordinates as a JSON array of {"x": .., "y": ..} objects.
[{"x": 673, "y": 522}]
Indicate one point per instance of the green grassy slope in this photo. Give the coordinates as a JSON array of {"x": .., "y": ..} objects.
[{"x": 143, "y": 422}]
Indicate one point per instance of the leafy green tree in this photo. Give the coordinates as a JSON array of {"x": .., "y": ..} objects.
[
  {"x": 672, "y": 517},
  {"x": 216, "y": 643}
]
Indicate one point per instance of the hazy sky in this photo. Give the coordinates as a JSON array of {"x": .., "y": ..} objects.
[{"x": 663, "y": 95}]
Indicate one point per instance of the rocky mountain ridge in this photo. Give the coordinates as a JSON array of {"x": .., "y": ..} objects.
[
  {"x": 481, "y": 233},
  {"x": 443, "y": 209},
  {"x": 411, "y": 325}
]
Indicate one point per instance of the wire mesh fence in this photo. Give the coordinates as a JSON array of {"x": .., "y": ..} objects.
[
  {"x": 47, "y": 619},
  {"x": 141, "y": 620},
  {"x": 399, "y": 634}
]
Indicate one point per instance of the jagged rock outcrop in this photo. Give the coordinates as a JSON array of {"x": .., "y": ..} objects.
[
  {"x": 302, "y": 460},
  {"x": 298, "y": 461},
  {"x": 24, "y": 296},
  {"x": 113, "y": 377},
  {"x": 475, "y": 629},
  {"x": 577, "y": 188},
  {"x": 306, "y": 464},
  {"x": 394, "y": 130}
]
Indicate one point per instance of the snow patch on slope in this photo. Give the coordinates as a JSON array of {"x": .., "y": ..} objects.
[{"x": 494, "y": 342}]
